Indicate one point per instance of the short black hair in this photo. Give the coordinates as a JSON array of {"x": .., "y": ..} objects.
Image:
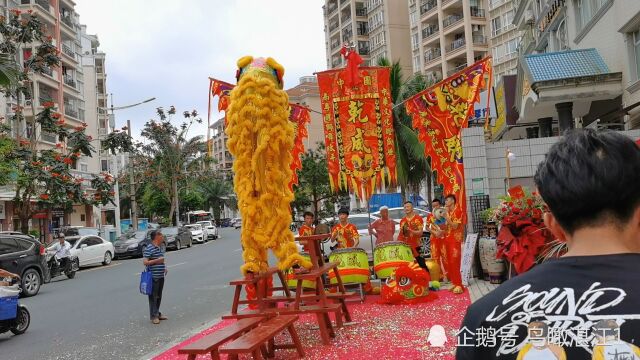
[
  {"x": 308, "y": 213},
  {"x": 590, "y": 178},
  {"x": 436, "y": 200},
  {"x": 452, "y": 197},
  {"x": 408, "y": 202},
  {"x": 343, "y": 210},
  {"x": 153, "y": 234}
]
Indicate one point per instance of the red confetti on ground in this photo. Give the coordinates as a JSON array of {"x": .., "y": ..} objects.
[{"x": 380, "y": 332}]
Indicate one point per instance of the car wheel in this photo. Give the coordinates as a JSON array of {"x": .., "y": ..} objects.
[
  {"x": 178, "y": 245},
  {"x": 107, "y": 258},
  {"x": 23, "y": 319},
  {"x": 30, "y": 282}
]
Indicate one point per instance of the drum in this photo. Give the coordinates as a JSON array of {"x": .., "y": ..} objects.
[
  {"x": 306, "y": 284},
  {"x": 353, "y": 264},
  {"x": 388, "y": 256}
]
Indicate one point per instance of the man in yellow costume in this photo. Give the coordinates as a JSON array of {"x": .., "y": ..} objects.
[{"x": 261, "y": 138}]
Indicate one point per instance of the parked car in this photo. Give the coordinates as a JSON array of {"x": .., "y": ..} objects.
[
  {"x": 177, "y": 237},
  {"x": 198, "y": 234},
  {"x": 226, "y": 222},
  {"x": 25, "y": 256},
  {"x": 398, "y": 213},
  {"x": 8, "y": 232},
  {"x": 236, "y": 223},
  {"x": 90, "y": 250},
  {"x": 361, "y": 221},
  {"x": 132, "y": 244},
  {"x": 211, "y": 229},
  {"x": 78, "y": 231}
]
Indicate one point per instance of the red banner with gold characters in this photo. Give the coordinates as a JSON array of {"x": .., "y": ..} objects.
[
  {"x": 299, "y": 115},
  {"x": 358, "y": 128},
  {"x": 439, "y": 114}
]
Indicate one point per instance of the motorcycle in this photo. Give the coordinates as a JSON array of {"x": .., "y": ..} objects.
[
  {"x": 56, "y": 269},
  {"x": 20, "y": 323}
]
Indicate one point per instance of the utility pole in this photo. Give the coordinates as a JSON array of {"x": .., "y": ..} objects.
[{"x": 132, "y": 185}]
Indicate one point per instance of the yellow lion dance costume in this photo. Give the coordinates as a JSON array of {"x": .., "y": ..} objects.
[{"x": 261, "y": 138}]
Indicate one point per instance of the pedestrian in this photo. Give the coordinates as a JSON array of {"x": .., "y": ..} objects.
[
  {"x": 62, "y": 251},
  {"x": 588, "y": 298},
  {"x": 345, "y": 233},
  {"x": 384, "y": 228},
  {"x": 411, "y": 227},
  {"x": 153, "y": 259}
]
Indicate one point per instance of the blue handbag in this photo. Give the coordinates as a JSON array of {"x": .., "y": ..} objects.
[{"x": 146, "y": 282}]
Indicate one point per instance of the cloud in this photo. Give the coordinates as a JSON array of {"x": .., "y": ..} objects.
[{"x": 168, "y": 49}]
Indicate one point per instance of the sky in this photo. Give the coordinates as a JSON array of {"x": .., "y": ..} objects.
[{"x": 168, "y": 49}]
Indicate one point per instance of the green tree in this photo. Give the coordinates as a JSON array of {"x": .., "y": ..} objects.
[
  {"x": 216, "y": 193},
  {"x": 314, "y": 188},
  {"x": 42, "y": 177},
  {"x": 412, "y": 164}
]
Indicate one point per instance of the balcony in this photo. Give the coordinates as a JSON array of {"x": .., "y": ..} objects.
[
  {"x": 479, "y": 40},
  {"x": 333, "y": 26},
  {"x": 363, "y": 50},
  {"x": 67, "y": 50},
  {"x": 477, "y": 12},
  {"x": 47, "y": 71},
  {"x": 43, "y": 3},
  {"x": 457, "y": 44},
  {"x": 429, "y": 31},
  {"x": 347, "y": 35},
  {"x": 68, "y": 80},
  {"x": 67, "y": 21},
  {"x": 433, "y": 54},
  {"x": 495, "y": 3},
  {"x": 361, "y": 12},
  {"x": 69, "y": 111},
  {"x": 450, "y": 20},
  {"x": 427, "y": 6},
  {"x": 363, "y": 29},
  {"x": 456, "y": 69},
  {"x": 332, "y": 7},
  {"x": 335, "y": 45},
  {"x": 346, "y": 17}
]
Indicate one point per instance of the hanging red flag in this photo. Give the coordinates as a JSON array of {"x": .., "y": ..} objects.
[
  {"x": 358, "y": 127},
  {"x": 439, "y": 114},
  {"x": 223, "y": 90},
  {"x": 300, "y": 117}
]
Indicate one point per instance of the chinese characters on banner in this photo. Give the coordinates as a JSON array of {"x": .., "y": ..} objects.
[
  {"x": 358, "y": 128},
  {"x": 439, "y": 114},
  {"x": 298, "y": 115}
]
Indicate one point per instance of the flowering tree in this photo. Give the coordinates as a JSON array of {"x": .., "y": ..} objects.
[{"x": 42, "y": 176}]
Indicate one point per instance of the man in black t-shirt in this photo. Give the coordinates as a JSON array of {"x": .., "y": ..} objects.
[{"x": 586, "y": 304}]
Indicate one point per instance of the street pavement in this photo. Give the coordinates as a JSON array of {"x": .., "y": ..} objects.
[{"x": 100, "y": 314}]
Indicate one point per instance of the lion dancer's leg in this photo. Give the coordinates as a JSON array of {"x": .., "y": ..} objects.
[
  {"x": 453, "y": 246},
  {"x": 436, "y": 254}
]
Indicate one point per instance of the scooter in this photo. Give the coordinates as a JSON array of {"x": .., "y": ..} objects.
[
  {"x": 55, "y": 269},
  {"x": 20, "y": 323}
]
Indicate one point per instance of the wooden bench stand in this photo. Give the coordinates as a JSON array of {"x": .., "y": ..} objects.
[
  {"x": 210, "y": 343},
  {"x": 260, "y": 341}
]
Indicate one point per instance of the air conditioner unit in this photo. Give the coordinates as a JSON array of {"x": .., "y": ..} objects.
[{"x": 528, "y": 17}]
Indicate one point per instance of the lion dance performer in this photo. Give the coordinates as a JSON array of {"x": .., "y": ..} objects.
[
  {"x": 261, "y": 138},
  {"x": 453, "y": 243}
]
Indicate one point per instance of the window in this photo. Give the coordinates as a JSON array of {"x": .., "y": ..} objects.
[
  {"x": 496, "y": 26},
  {"x": 416, "y": 63},
  {"x": 8, "y": 246},
  {"x": 48, "y": 137},
  {"x": 587, "y": 10},
  {"x": 636, "y": 51},
  {"x": 83, "y": 217},
  {"x": 511, "y": 46},
  {"x": 413, "y": 18},
  {"x": 104, "y": 165},
  {"x": 414, "y": 41},
  {"x": 84, "y": 167}
]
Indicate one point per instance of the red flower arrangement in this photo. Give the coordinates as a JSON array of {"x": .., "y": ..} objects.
[
  {"x": 48, "y": 104},
  {"x": 523, "y": 235}
]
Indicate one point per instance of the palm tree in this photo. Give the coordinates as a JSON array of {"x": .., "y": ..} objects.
[
  {"x": 216, "y": 193},
  {"x": 411, "y": 163}
]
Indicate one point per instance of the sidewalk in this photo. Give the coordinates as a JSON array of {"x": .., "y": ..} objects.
[{"x": 380, "y": 331}]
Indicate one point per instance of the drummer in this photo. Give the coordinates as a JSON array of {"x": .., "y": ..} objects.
[
  {"x": 384, "y": 228},
  {"x": 411, "y": 231},
  {"x": 307, "y": 229},
  {"x": 345, "y": 233}
]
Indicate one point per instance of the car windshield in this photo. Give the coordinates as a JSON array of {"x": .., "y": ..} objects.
[
  {"x": 360, "y": 222},
  {"x": 72, "y": 242},
  {"x": 194, "y": 227},
  {"x": 169, "y": 231}
]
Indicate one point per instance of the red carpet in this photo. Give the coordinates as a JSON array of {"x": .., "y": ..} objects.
[{"x": 380, "y": 332}]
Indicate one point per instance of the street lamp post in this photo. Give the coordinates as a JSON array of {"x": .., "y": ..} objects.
[{"x": 134, "y": 216}]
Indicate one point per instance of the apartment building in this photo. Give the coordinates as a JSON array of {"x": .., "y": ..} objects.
[
  {"x": 66, "y": 87},
  {"x": 307, "y": 93},
  {"x": 378, "y": 28},
  {"x": 578, "y": 65},
  {"x": 447, "y": 35},
  {"x": 223, "y": 160},
  {"x": 100, "y": 123},
  {"x": 503, "y": 38}
]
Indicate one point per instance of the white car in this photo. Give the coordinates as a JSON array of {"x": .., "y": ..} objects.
[
  {"x": 211, "y": 229},
  {"x": 361, "y": 221},
  {"x": 90, "y": 249},
  {"x": 198, "y": 234},
  {"x": 398, "y": 213}
]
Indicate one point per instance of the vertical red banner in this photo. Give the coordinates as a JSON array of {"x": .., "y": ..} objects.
[{"x": 358, "y": 127}]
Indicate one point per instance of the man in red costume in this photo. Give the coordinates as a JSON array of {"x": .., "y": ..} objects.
[
  {"x": 353, "y": 62},
  {"x": 307, "y": 229},
  {"x": 433, "y": 224},
  {"x": 345, "y": 233},
  {"x": 411, "y": 231},
  {"x": 453, "y": 233}
]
